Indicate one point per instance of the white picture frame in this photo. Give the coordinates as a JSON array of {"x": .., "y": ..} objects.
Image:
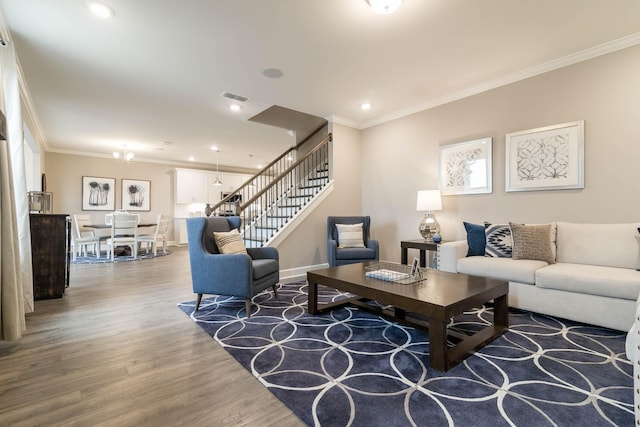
[
  {"x": 98, "y": 194},
  {"x": 546, "y": 158},
  {"x": 136, "y": 195},
  {"x": 465, "y": 167},
  {"x": 415, "y": 266}
]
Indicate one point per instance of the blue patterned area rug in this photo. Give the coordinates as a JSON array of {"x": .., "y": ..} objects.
[
  {"x": 352, "y": 368},
  {"x": 123, "y": 257}
]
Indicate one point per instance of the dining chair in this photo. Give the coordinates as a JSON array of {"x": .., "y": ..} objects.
[
  {"x": 159, "y": 235},
  {"x": 82, "y": 238},
  {"x": 124, "y": 232}
]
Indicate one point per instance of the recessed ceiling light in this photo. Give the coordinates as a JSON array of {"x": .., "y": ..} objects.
[
  {"x": 100, "y": 9},
  {"x": 192, "y": 159},
  {"x": 215, "y": 148},
  {"x": 365, "y": 106},
  {"x": 234, "y": 107}
]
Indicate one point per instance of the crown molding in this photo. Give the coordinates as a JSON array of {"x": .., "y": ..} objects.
[
  {"x": 343, "y": 121},
  {"x": 584, "y": 55},
  {"x": 137, "y": 159}
]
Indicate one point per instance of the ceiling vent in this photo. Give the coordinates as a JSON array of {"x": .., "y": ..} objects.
[{"x": 235, "y": 97}]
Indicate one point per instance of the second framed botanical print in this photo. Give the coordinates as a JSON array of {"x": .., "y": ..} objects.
[{"x": 136, "y": 195}]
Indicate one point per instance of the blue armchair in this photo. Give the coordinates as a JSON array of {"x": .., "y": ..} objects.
[
  {"x": 342, "y": 256},
  {"x": 240, "y": 275}
]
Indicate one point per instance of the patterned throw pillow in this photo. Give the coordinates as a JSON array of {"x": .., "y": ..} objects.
[
  {"x": 499, "y": 243},
  {"x": 532, "y": 242},
  {"x": 350, "y": 235},
  {"x": 229, "y": 242}
]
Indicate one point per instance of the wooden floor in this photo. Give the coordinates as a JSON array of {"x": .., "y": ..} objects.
[{"x": 116, "y": 351}]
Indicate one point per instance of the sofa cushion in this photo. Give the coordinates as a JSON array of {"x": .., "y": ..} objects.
[
  {"x": 610, "y": 245},
  {"x": 264, "y": 267},
  {"x": 532, "y": 242},
  {"x": 476, "y": 238},
  {"x": 590, "y": 279},
  {"x": 498, "y": 240},
  {"x": 356, "y": 253},
  {"x": 521, "y": 270},
  {"x": 350, "y": 235}
]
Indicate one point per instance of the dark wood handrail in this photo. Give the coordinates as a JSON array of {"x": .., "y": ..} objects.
[{"x": 287, "y": 171}]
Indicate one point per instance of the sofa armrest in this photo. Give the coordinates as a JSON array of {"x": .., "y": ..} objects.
[
  {"x": 449, "y": 253},
  {"x": 632, "y": 347},
  {"x": 263, "y": 253}
]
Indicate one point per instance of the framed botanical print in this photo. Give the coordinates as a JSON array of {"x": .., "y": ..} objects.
[{"x": 98, "y": 194}]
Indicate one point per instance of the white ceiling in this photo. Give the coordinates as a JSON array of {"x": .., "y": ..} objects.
[{"x": 156, "y": 70}]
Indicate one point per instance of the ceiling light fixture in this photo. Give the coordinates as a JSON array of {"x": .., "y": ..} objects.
[
  {"x": 234, "y": 107},
  {"x": 217, "y": 182},
  {"x": 384, "y": 7},
  {"x": 99, "y": 9},
  {"x": 124, "y": 156},
  {"x": 365, "y": 106}
]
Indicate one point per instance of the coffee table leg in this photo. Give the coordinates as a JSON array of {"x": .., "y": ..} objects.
[
  {"x": 312, "y": 298},
  {"x": 501, "y": 311},
  {"x": 438, "y": 345}
]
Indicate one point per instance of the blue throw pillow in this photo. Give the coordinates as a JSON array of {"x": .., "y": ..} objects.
[{"x": 475, "y": 238}]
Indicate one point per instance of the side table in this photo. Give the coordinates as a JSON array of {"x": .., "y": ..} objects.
[{"x": 420, "y": 244}]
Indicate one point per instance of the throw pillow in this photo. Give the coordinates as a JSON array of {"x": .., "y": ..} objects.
[
  {"x": 475, "y": 239},
  {"x": 499, "y": 243},
  {"x": 350, "y": 235},
  {"x": 229, "y": 242},
  {"x": 532, "y": 242}
]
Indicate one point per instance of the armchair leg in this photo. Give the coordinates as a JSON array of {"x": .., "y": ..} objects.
[
  {"x": 275, "y": 290},
  {"x": 247, "y": 304},
  {"x": 198, "y": 302}
]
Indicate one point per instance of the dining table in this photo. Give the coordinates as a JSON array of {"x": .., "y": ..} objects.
[{"x": 121, "y": 251}]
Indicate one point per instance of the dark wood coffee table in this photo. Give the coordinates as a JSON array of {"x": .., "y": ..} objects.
[{"x": 439, "y": 297}]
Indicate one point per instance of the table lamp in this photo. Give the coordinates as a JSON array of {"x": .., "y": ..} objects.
[{"x": 429, "y": 200}]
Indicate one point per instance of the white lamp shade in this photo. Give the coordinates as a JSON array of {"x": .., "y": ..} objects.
[{"x": 429, "y": 200}]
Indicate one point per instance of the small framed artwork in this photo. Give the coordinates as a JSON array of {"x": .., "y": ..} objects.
[
  {"x": 136, "y": 195},
  {"x": 98, "y": 194},
  {"x": 547, "y": 158},
  {"x": 415, "y": 266},
  {"x": 465, "y": 167}
]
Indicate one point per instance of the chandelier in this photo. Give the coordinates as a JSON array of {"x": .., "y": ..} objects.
[
  {"x": 124, "y": 156},
  {"x": 384, "y": 7}
]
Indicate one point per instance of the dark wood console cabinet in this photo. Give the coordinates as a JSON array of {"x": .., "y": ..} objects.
[{"x": 50, "y": 254}]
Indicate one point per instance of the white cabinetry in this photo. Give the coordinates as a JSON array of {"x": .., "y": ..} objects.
[{"x": 190, "y": 186}]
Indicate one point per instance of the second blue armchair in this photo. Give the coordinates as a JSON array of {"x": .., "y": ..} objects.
[{"x": 341, "y": 256}]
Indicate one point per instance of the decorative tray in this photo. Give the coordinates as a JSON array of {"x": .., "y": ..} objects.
[{"x": 396, "y": 273}]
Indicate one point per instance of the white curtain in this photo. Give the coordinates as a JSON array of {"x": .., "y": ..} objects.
[{"x": 16, "y": 279}]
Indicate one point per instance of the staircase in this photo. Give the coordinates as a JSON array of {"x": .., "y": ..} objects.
[
  {"x": 275, "y": 217},
  {"x": 276, "y": 195}
]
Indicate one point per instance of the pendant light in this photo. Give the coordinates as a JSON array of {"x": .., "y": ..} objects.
[{"x": 217, "y": 182}]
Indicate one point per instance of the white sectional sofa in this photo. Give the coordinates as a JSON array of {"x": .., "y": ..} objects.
[{"x": 593, "y": 280}]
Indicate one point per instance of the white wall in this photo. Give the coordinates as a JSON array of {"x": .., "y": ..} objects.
[{"x": 401, "y": 157}]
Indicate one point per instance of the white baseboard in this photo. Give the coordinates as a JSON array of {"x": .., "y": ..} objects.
[{"x": 299, "y": 273}]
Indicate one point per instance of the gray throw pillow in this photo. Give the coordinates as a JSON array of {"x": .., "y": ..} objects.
[{"x": 532, "y": 242}]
